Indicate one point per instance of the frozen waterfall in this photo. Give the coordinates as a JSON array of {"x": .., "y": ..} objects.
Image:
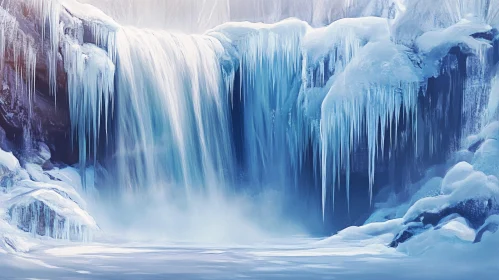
[{"x": 294, "y": 104}]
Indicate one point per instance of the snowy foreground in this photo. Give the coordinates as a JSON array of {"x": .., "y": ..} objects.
[{"x": 292, "y": 259}]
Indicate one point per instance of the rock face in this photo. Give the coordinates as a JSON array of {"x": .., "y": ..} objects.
[{"x": 28, "y": 109}]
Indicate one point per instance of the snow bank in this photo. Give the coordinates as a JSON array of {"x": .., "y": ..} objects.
[
  {"x": 8, "y": 161},
  {"x": 45, "y": 212},
  {"x": 475, "y": 186},
  {"x": 42, "y": 204},
  {"x": 455, "y": 231},
  {"x": 372, "y": 229}
]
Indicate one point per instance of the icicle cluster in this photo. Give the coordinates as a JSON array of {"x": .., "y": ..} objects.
[
  {"x": 91, "y": 89},
  {"x": 270, "y": 70},
  {"x": 20, "y": 50},
  {"x": 365, "y": 99},
  {"x": 477, "y": 89},
  {"x": 48, "y": 13},
  {"x": 37, "y": 218}
]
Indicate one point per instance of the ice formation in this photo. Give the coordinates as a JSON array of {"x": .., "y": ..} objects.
[
  {"x": 39, "y": 204},
  {"x": 91, "y": 90},
  {"x": 17, "y": 47},
  {"x": 265, "y": 101}
]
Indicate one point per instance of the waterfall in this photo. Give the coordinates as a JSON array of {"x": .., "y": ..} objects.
[
  {"x": 289, "y": 106},
  {"x": 172, "y": 110}
]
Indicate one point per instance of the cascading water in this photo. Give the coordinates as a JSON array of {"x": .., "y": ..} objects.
[
  {"x": 253, "y": 106},
  {"x": 172, "y": 119}
]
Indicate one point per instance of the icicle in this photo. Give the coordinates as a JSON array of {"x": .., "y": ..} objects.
[
  {"x": 52, "y": 13},
  {"x": 39, "y": 213},
  {"x": 91, "y": 89},
  {"x": 105, "y": 38},
  {"x": 477, "y": 89},
  {"x": 270, "y": 65},
  {"x": 30, "y": 68},
  {"x": 362, "y": 100},
  {"x": 48, "y": 12}
]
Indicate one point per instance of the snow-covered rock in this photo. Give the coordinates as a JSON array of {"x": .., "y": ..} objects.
[
  {"x": 467, "y": 194},
  {"x": 491, "y": 225},
  {"x": 41, "y": 204},
  {"x": 45, "y": 212},
  {"x": 8, "y": 162},
  {"x": 454, "y": 231}
]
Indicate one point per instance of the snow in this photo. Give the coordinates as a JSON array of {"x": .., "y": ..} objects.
[
  {"x": 490, "y": 131},
  {"x": 485, "y": 157},
  {"x": 8, "y": 160},
  {"x": 69, "y": 223},
  {"x": 453, "y": 232},
  {"x": 460, "y": 33},
  {"x": 431, "y": 188},
  {"x": 94, "y": 250},
  {"x": 289, "y": 258},
  {"x": 390, "y": 227},
  {"x": 475, "y": 186},
  {"x": 423, "y": 16},
  {"x": 458, "y": 173},
  {"x": 344, "y": 34},
  {"x": 89, "y": 13},
  {"x": 194, "y": 17},
  {"x": 35, "y": 203},
  {"x": 458, "y": 228}
]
